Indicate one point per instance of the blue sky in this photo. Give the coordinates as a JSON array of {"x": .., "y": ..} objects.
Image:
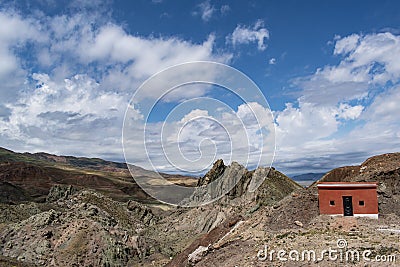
[{"x": 328, "y": 69}]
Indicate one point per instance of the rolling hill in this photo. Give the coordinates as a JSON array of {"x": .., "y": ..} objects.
[{"x": 32, "y": 176}]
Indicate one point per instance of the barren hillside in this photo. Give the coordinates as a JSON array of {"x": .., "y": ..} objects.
[{"x": 84, "y": 224}]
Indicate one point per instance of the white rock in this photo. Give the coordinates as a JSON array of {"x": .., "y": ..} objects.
[
  {"x": 298, "y": 223},
  {"x": 198, "y": 254}
]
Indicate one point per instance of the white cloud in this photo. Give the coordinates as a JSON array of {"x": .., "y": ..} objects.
[
  {"x": 272, "y": 61},
  {"x": 195, "y": 141},
  {"x": 368, "y": 61},
  {"x": 206, "y": 10},
  {"x": 347, "y": 111},
  {"x": 15, "y": 34},
  {"x": 11, "y": 21},
  {"x": 137, "y": 58},
  {"x": 346, "y": 45},
  {"x": 58, "y": 107},
  {"x": 89, "y": 69},
  {"x": 296, "y": 126},
  {"x": 383, "y": 111},
  {"x": 194, "y": 114},
  {"x": 311, "y": 123},
  {"x": 245, "y": 35},
  {"x": 72, "y": 117}
]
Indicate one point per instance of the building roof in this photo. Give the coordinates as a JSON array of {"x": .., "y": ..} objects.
[{"x": 333, "y": 185}]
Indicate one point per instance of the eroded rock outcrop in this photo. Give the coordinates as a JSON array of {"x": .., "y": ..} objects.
[
  {"x": 264, "y": 185},
  {"x": 58, "y": 192}
]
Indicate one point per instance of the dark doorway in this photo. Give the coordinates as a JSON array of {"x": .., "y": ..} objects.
[{"x": 347, "y": 206}]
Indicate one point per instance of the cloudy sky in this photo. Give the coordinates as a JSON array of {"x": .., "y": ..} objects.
[{"x": 330, "y": 71}]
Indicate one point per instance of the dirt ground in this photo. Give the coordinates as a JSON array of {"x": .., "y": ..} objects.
[{"x": 343, "y": 236}]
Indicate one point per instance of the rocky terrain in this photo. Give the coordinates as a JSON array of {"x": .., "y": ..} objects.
[
  {"x": 76, "y": 225},
  {"x": 240, "y": 183},
  {"x": 294, "y": 223},
  {"x": 84, "y": 229}
]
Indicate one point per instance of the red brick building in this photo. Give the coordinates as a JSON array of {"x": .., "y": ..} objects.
[{"x": 348, "y": 199}]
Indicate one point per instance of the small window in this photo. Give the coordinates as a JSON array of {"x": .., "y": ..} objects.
[
  {"x": 361, "y": 202},
  {"x": 332, "y": 202}
]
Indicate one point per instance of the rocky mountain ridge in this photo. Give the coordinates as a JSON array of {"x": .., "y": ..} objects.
[
  {"x": 264, "y": 185},
  {"x": 75, "y": 225}
]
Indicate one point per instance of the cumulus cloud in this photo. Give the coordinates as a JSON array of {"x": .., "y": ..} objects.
[
  {"x": 111, "y": 45},
  {"x": 62, "y": 116},
  {"x": 245, "y": 35},
  {"x": 344, "y": 109},
  {"x": 367, "y": 61},
  {"x": 193, "y": 142},
  {"x": 346, "y": 44},
  {"x": 86, "y": 69},
  {"x": 15, "y": 34},
  {"x": 193, "y": 115}
]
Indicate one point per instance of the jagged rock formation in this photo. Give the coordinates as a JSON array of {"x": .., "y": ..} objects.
[
  {"x": 142, "y": 212},
  {"x": 58, "y": 192},
  {"x": 241, "y": 185},
  {"x": 213, "y": 174},
  {"x": 178, "y": 229}
]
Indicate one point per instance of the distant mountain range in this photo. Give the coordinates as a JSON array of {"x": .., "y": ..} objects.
[
  {"x": 308, "y": 176},
  {"x": 26, "y": 176}
]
